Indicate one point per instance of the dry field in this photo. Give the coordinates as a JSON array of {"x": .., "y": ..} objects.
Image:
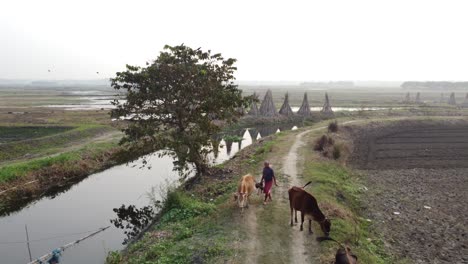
[{"x": 417, "y": 180}]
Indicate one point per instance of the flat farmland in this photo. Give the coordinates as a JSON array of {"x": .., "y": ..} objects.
[
  {"x": 421, "y": 148},
  {"x": 417, "y": 182}
]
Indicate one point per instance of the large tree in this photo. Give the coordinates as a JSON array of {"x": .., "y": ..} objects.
[{"x": 176, "y": 103}]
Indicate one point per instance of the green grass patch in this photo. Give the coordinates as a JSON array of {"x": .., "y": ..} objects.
[
  {"x": 16, "y": 133},
  {"x": 339, "y": 192},
  {"x": 13, "y": 171},
  {"x": 189, "y": 231},
  {"x": 47, "y": 145},
  {"x": 19, "y": 169},
  {"x": 196, "y": 225}
]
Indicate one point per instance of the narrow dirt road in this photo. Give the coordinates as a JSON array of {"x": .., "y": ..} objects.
[
  {"x": 269, "y": 236},
  {"x": 299, "y": 252}
]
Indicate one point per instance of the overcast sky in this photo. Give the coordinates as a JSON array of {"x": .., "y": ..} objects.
[{"x": 272, "y": 40}]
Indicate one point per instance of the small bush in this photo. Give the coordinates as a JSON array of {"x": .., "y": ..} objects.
[
  {"x": 336, "y": 152},
  {"x": 333, "y": 127},
  {"x": 179, "y": 206},
  {"x": 322, "y": 143}
]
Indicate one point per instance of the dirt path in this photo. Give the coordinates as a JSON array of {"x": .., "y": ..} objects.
[
  {"x": 249, "y": 218},
  {"x": 299, "y": 253},
  {"x": 270, "y": 239}
]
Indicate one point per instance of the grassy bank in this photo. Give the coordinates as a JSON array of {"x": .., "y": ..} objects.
[
  {"x": 201, "y": 224},
  {"x": 341, "y": 192},
  {"x": 89, "y": 154},
  {"x": 47, "y": 141},
  {"x": 198, "y": 223},
  {"x": 50, "y": 172}
]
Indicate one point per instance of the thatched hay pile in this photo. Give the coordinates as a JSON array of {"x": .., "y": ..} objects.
[
  {"x": 305, "y": 108},
  {"x": 407, "y": 98},
  {"x": 268, "y": 107},
  {"x": 253, "y": 107},
  {"x": 451, "y": 100},
  {"x": 285, "y": 108},
  {"x": 465, "y": 103},
  {"x": 418, "y": 98},
  {"x": 327, "y": 109}
]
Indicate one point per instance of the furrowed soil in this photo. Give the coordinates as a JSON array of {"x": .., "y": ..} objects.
[{"x": 417, "y": 176}]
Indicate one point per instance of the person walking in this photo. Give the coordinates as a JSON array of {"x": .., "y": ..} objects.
[{"x": 268, "y": 177}]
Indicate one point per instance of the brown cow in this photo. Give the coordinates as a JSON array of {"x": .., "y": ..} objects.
[
  {"x": 343, "y": 254},
  {"x": 246, "y": 187},
  {"x": 300, "y": 200}
]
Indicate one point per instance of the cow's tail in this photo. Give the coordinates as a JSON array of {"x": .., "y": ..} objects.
[{"x": 306, "y": 184}]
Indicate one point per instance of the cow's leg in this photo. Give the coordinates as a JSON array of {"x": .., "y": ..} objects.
[
  {"x": 310, "y": 227},
  {"x": 295, "y": 216},
  {"x": 292, "y": 216},
  {"x": 302, "y": 220}
]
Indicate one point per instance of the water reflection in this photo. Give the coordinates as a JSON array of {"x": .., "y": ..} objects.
[{"x": 225, "y": 149}]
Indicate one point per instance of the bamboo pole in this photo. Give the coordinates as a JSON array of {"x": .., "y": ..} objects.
[
  {"x": 59, "y": 250},
  {"x": 27, "y": 241}
]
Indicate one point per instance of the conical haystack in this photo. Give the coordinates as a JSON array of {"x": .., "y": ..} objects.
[
  {"x": 305, "y": 108},
  {"x": 418, "y": 98},
  {"x": 285, "y": 108},
  {"x": 407, "y": 98},
  {"x": 253, "y": 107},
  {"x": 268, "y": 107},
  {"x": 465, "y": 103},
  {"x": 451, "y": 100},
  {"x": 326, "y": 106}
]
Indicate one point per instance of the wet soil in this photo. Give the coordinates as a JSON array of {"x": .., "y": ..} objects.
[{"x": 417, "y": 180}]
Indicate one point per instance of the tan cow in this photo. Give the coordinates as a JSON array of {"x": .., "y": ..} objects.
[{"x": 246, "y": 187}]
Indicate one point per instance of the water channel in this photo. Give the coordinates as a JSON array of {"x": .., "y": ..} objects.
[{"x": 56, "y": 220}]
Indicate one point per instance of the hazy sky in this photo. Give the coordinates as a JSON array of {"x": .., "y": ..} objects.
[{"x": 272, "y": 40}]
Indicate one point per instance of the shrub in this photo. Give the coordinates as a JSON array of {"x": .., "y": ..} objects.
[
  {"x": 322, "y": 143},
  {"x": 179, "y": 206},
  {"x": 333, "y": 127},
  {"x": 336, "y": 152}
]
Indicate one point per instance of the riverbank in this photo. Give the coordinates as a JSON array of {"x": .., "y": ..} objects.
[
  {"x": 24, "y": 181},
  {"x": 200, "y": 222}
]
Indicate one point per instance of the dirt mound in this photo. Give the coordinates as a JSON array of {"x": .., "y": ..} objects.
[{"x": 417, "y": 175}]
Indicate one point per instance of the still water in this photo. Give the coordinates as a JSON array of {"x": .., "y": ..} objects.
[{"x": 87, "y": 206}]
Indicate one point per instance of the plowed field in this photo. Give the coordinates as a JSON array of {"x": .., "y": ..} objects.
[{"x": 417, "y": 180}]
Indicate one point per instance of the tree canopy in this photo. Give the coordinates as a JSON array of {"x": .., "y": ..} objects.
[{"x": 176, "y": 103}]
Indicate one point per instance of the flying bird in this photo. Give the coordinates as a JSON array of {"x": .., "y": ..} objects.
[
  {"x": 48, "y": 70},
  {"x": 97, "y": 72}
]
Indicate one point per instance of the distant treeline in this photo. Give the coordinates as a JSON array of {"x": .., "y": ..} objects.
[
  {"x": 338, "y": 84},
  {"x": 435, "y": 85}
]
